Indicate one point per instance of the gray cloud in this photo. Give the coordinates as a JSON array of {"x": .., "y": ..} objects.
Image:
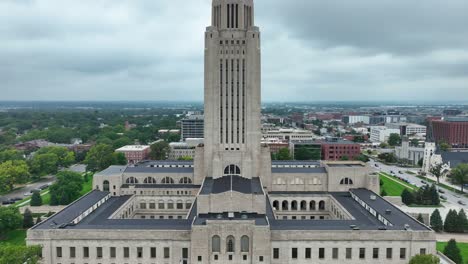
[{"x": 312, "y": 50}]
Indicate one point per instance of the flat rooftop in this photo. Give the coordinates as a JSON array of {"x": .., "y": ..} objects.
[{"x": 133, "y": 148}]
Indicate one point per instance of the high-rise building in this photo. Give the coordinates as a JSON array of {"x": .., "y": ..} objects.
[
  {"x": 232, "y": 204},
  {"x": 451, "y": 130},
  {"x": 192, "y": 127}
]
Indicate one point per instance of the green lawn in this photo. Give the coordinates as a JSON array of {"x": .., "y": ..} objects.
[
  {"x": 392, "y": 188},
  {"x": 462, "y": 246},
  {"x": 15, "y": 237},
  {"x": 87, "y": 186}
]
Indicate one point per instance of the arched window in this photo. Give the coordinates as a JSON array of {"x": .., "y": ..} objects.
[
  {"x": 167, "y": 180},
  {"x": 230, "y": 244},
  {"x": 216, "y": 244},
  {"x": 232, "y": 170},
  {"x": 294, "y": 205},
  {"x": 105, "y": 186},
  {"x": 346, "y": 181},
  {"x": 276, "y": 205},
  {"x": 303, "y": 205},
  {"x": 284, "y": 205},
  {"x": 322, "y": 205},
  {"x": 312, "y": 205},
  {"x": 150, "y": 180},
  {"x": 132, "y": 180},
  {"x": 245, "y": 244},
  {"x": 185, "y": 180}
]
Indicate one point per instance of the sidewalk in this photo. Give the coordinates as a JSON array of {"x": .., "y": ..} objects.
[{"x": 443, "y": 180}]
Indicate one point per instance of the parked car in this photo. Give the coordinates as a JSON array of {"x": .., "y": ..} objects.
[
  {"x": 376, "y": 165},
  {"x": 15, "y": 199},
  {"x": 443, "y": 197},
  {"x": 43, "y": 187},
  {"x": 391, "y": 172},
  {"x": 35, "y": 190},
  {"x": 7, "y": 202},
  {"x": 461, "y": 202},
  {"x": 441, "y": 191},
  {"x": 400, "y": 172},
  {"x": 27, "y": 194}
]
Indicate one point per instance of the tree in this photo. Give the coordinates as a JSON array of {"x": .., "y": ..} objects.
[
  {"x": 13, "y": 172},
  {"x": 283, "y": 154},
  {"x": 420, "y": 162},
  {"x": 99, "y": 158},
  {"x": 407, "y": 197},
  {"x": 436, "y": 221},
  {"x": 444, "y": 146},
  {"x": 383, "y": 145},
  {"x": 11, "y": 154},
  {"x": 119, "y": 158},
  {"x": 65, "y": 158},
  {"x": 435, "y": 198},
  {"x": 123, "y": 141},
  {"x": 160, "y": 150},
  {"x": 13, "y": 254},
  {"x": 36, "y": 199},
  {"x": 394, "y": 139},
  {"x": 344, "y": 158},
  {"x": 38, "y": 219},
  {"x": 362, "y": 158},
  {"x": 459, "y": 175},
  {"x": 452, "y": 251},
  {"x": 462, "y": 222},
  {"x": 186, "y": 158},
  {"x": 414, "y": 142},
  {"x": 450, "y": 223},
  {"x": 388, "y": 157},
  {"x": 424, "y": 259},
  {"x": 66, "y": 189},
  {"x": 436, "y": 170},
  {"x": 420, "y": 218},
  {"x": 383, "y": 193},
  {"x": 10, "y": 219},
  {"x": 44, "y": 164},
  {"x": 28, "y": 220}
]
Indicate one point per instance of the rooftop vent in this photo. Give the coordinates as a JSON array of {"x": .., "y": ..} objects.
[
  {"x": 219, "y": 216},
  {"x": 231, "y": 215},
  {"x": 383, "y": 228},
  {"x": 373, "y": 197},
  {"x": 244, "y": 216},
  {"x": 388, "y": 211}
]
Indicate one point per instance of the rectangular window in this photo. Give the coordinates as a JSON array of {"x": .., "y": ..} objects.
[
  {"x": 167, "y": 252},
  {"x": 260, "y": 258},
  {"x": 276, "y": 253},
  {"x": 362, "y": 253},
  {"x": 143, "y": 205},
  {"x": 180, "y": 206},
  {"x": 161, "y": 205},
  {"x": 349, "y": 253},
  {"x": 422, "y": 251},
  {"x": 294, "y": 253},
  {"x": 185, "y": 253},
  {"x": 402, "y": 253},
  {"x": 153, "y": 252},
  {"x": 72, "y": 252},
  {"x": 126, "y": 252},
  {"x": 139, "y": 252},
  {"x": 321, "y": 253},
  {"x": 375, "y": 253},
  {"x": 170, "y": 206},
  {"x": 389, "y": 253},
  {"x": 308, "y": 253},
  {"x": 86, "y": 252},
  {"x": 112, "y": 252},
  {"x": 99, "y": 252},
  {"x": 59, "y": 252},
  {"x": 152, "y": 206},
  {"x": 200, "y": 258},
  {"x": 335, "y": 253}
]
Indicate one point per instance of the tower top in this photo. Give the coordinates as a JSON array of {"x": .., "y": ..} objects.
[{"x": 232, "y": 14}]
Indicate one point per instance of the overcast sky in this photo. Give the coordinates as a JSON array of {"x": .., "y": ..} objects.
[{"x": 312, "y": 50}]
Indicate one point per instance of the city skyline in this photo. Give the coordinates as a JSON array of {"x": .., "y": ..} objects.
[{"x": 150, "y": 51}]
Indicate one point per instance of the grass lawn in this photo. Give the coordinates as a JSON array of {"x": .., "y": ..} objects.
[
  {"x": 462, "y": 246},
  {"x": 15, "y": 237},
  {"x": 87, "y": 186},
  {"x": 391, "y": 187}
]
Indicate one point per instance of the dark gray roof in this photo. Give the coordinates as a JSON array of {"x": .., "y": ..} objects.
[
  {"x": 260, "y": 219},
  {"x": 158, "y": 170},
  {"x": 163, "y": 186},
  {"x": 299, "y": 170},
  {"x": 295, "y": 162},
  {"x": 112, "y": 170},
  {"x": 454, "y": 157},
  {"x": 164, "y": 162},
  {"x": 344, "y": 165},
  {"x": 73, "y": 210},
  {"x": 238, "y": 184}
]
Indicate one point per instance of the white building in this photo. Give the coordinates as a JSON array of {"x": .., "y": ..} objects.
[
  {"x": 288, "y": 134},
  {"x": 186, "y": 149},
  {"x": 233, "y": 204},
  {"x": 405, "y": 151},
  {"x": 407, "y": 129},
  {"x": 382, "y": 133},
  {"x": 354, "y": 119}
]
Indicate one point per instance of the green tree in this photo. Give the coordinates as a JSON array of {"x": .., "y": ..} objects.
[
  {"x": 66, "y": 189},
  {"x": 414, "y": 142},
  {"x": 13, "y": 254},
  {"x": 394, "y": 139},
  {"x": 452, "y": 251},
  {"x": 123, "y": 141},
  {"x": 362, "y": 158},
  {"x": 28, "y": 220},
  {"x": 11, "y": 154},
  {"x": 451, "y": 221},
  {"x": 388, "y": 157},
  {"x": 13, "y": 172},
  {"x": 10, "y": 219},
  {"x": 36, "y": 199},
  {"x": 65, "y": 157},
  {"x": 344, "y": 158},
  {"x": 99, "y": 158},
  {"x": 420, "y": 218},
  {"x": 38, "y": 219},
  {"x": 434, "y": 194},
  {"x": 407, "y": 197},
  {"x": 283, "y": 154},
  {"x": 383, "y": 145},
  {"x": 119, "y": 158},
  {"x": 436, "y": 170},
  {"x": 44, "y": 164},
  {"x": 186, "y": 158},
  {"x": 462, "y": 222},
  {"x": 424, "y": 259},
  {"x": 436, "y": 221},
  {"x": 383, "y": 193},
  {"x": 160, "y": 150},
  {"x": 420, "y": 162},
  {"x": 459, "y": 175},
  {"x": 444, "y": 146}
]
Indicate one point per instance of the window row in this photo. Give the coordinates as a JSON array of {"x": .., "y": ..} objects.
[
  {"x": 230, "y": 244},
  {"x": 297, "y": 181},
  {"x": 334, "y": 253},
  {"x": 152, "y": 180},
  {"x": 166, "y": 205},
  {"x": 112, "y": 252},
  {"x": 295, "y": 205}
]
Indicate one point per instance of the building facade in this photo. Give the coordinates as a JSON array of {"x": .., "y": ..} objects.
[
  {"x": 232, "y": 204},
  {"x": 451, "y": 130},
  {"x": 192, "y": 127},
  {"x": 135, "y": 153},
  {"x": 381, "y": 133},
  {"x": 407, "y": 129}
]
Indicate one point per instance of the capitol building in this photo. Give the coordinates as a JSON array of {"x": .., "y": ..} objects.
[{"x": 233, "y": 204}]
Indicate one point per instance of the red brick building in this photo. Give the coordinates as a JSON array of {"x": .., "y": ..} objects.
[
  {"x": 339, "y": 149},
  {"x": 135, "y": 153},
  {"x": 452, "y": 130}
]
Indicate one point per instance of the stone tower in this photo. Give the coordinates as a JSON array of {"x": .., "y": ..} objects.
[{"x": 232, "y": 91}]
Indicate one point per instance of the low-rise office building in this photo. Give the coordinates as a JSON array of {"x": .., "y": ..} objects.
[{"x": 135, "y": 153}]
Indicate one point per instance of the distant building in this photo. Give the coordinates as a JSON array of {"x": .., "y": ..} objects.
[
  {"x": 275, "y": 144},
  {"x": 192, "y": 127},
  {"x": 451, "y": 130},
  {"x": 135, "y": 153},
  {"x": 448, "y": 159},
  {"x": 354, "y": 119},
  {"x": 452, "y": 112},
  {"x": 184, "y": 149},
  {"x": 405, "y": 151},
  {"x": 382, "y": 133},
  {"x": 287, "y": 134},
  {"x": 330, "y": 149},
  {"x": 407, "y": 129}
]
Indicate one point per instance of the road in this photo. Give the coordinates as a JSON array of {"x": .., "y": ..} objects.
[{"x": 452, "y": 197}]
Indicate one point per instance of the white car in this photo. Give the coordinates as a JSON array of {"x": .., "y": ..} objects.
[{"x": 27, "y": 194}]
